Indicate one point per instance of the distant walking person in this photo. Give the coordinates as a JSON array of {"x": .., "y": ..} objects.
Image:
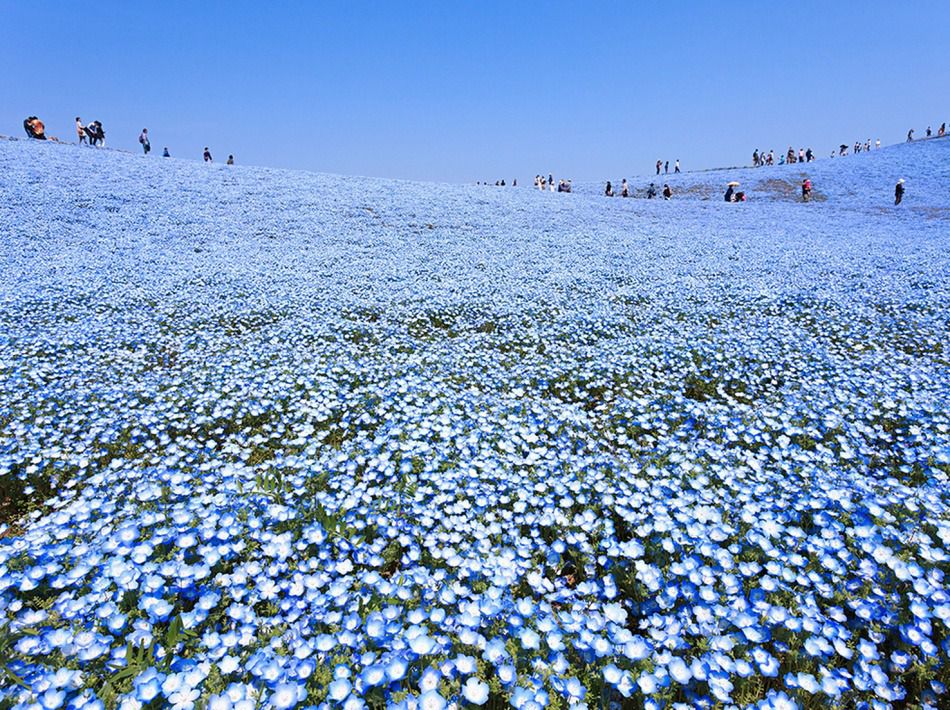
[
  {"x": 676, "y": 167},
  {"x": 899, "y": 191},
  {"x": 80, "y": 130},
  {"x": 659, "y": 164},
  {"x": 165, "y": 153},
  {"x": 207, "y": 156},
  {"x": 143, "y": 139},
  {"x": 910, "y": 135},
  {"x": 231, "y": 162}
]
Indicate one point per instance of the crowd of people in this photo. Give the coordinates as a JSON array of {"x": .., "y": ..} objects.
[
  {"x": 93, "y": 134},
  {"x": 761, "y": 158},
  {"x": 941, "y": 132},
  {"x": 650, "y": 193},
  {"x": 547, "y": 184},
  {"x": 665, "y": 166}
]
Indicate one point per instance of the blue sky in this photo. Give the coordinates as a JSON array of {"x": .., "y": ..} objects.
[{"x": 481, "y": 90}]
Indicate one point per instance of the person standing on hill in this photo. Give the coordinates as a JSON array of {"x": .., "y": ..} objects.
[
  {"x": 80, "y": 130},
  {"x": 666, "y": 167},
  {"x": 929, "y": 133},
  {"x": 231, "y": 162},
  {"x": 942, "y": 129},
  {"x": 207, "y": 156},
  {"x": 877, "y": 143},
  {"x": 899, "y": 191},
  {"x": 676, "y": 167},
  {"x": 609, "y": 190},
  {"x": 165, "y": 153},
  {"x": 624, "y": 190},
  {"x": 143, "y": 139},
  {"x": 910, "y": 135},
  {"x": 659, "y": 164}
]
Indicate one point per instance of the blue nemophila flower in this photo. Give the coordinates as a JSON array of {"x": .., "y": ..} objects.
[
  {"x": 475, "y": 691},
  {"x": 339, "y": 689},
  {"x": 431, "y": 700}
]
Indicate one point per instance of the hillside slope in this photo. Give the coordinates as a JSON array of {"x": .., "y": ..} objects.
[
  {"x": 860, "y": 182},
  {"x": 282, "y": 438}
]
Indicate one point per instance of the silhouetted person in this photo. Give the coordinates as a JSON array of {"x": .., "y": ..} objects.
[
  {"x": 899, "y": 191},
  {"x": 230, "y": 160},
  {"x": 609, "y": 190},
  {"x": 207, "y": 156},
  {"x": 166, "y": 154}
]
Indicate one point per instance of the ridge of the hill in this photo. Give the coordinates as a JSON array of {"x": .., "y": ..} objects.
[{"x": 859, "y": 181}]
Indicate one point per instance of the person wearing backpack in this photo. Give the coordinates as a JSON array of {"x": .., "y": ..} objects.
[{"x": 143, "y": 139}]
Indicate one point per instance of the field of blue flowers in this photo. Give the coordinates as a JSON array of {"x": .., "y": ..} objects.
[{"x": 278, "y": 439}]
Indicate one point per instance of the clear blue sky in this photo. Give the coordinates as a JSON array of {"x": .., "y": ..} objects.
[{"x": 465, "y": 91}]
